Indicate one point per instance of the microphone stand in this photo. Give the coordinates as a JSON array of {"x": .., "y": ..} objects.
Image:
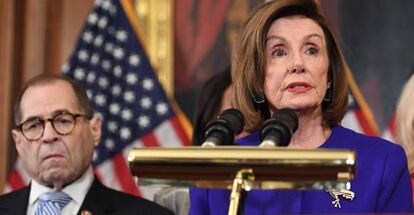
[{"x": 241, "y": 181}]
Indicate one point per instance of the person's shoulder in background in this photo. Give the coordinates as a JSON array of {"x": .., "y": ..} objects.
[{"x": 101, "y": 200}]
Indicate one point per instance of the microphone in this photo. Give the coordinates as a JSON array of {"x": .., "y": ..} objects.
[
  {"x": 278, "y": 130},
  {"x": 222, "y": 131}
]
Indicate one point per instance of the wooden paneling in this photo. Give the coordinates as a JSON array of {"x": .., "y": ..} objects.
[{"x": 7, "y": 20}]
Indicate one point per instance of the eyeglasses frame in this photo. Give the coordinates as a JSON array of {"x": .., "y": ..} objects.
[{"x": 50, "y": 119}]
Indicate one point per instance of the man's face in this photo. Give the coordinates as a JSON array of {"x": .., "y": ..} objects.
[{"x": 54, "y": 159}]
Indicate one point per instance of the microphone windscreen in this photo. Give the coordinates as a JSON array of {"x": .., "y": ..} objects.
[
  {"x": 288, "y": 117},
  {"x": 279, "y": 129},
  {"x": 234, "y": 119}
]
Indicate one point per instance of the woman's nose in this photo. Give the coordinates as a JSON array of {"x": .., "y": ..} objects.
[
  {"x": 298, "y": 68},
  {"x": 297, "y": 65}
]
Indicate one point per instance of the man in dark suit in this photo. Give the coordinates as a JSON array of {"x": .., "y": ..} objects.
[{"x": 55, "y": 137}]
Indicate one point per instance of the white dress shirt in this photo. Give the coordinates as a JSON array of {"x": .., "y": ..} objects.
[{"x": 76, "y": 190}]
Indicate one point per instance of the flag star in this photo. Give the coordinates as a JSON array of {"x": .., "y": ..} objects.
[
  {"x": 79, "y": 74},
  {"x": 89, "y": 94},
  {"x": 110, "y": 144},
  {"x": 134, "y": 60},
  {"x": 95, "y": 59},
  {"x": 119, "y": 53},
  {"x": 100, "y": 99},
  {"x": 109, "y": 47},
  {"x": 91, "y": 77},
  {"x": 112, "y": 126},
  {"x": 106, "y": 5},
  {"x": 116, "y": 90},
  {"x": 83, "y": 55},
  {"x": 126, "y": 114},
  {"x": 129, "y": 96},
  {"x": 131, "y": 78},
  {"x": 143, "y": 121},
  {"x": 112, "y": 10},
  {"x": 98, "y": 40},
  {"x": 121, "y": 35},
  {"x": 99, "y": 114},
  {"x": 65, "y": 68},
  {"x": 103, "y": 21},
  {"x": 87, "y": 36},
  {"x": 98, "y": 3},
  {"x": 95, "y": 155},
  {"x": 118, "y": 71},
  {"x": 146, "y": 103},
  {"x": 103, "y": 82},
  {"x": 350, "y": 100},
  {"x": 106, "y": 65},
  {"x": 125, "y": 133},
  {"x": 148, "y": 84},
  {"x": 92, "y": 18},
  {"x": 161, "y": 108},
  {"x": 114, "y": 108}
]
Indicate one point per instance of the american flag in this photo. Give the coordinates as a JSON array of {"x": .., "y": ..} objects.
[
  {"x": 357, "y": 119},
  {"x": 110, "y": 62},
  {"x": 359, "y": 116}
]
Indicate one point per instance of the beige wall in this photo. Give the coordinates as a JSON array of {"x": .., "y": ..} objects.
[{"x": 37, "y": 37}]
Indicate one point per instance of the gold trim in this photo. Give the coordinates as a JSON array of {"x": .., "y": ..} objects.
[
  {"x": 156, "y": 19},
  {"x": 153, "y": 25},
  {"x": 217, "y": 166}
]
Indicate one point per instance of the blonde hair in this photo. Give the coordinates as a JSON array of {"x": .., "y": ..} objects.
[{"x": 405, "y": 122}]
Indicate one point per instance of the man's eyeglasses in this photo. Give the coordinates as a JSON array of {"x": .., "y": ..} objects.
[{"x": 63, "y": 123}]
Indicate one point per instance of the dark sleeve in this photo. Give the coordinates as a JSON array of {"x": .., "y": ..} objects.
[
  {"x": 395, "y": 192},
  {"x": 199, "y": 202}
]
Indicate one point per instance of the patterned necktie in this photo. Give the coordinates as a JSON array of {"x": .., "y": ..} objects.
[{"x": 51, "y": 203}]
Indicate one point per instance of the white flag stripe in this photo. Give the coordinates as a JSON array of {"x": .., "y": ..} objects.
[
  {"x": 351, "y": 121},
  {"x": 388, "y": 135},
  {"x": 7, "y": 189},
  {"x": 165, "y": 137},
  {"x": 110, "y": 180}
]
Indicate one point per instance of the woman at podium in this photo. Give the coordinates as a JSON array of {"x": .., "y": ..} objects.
[{"x": 287, "y": 57}]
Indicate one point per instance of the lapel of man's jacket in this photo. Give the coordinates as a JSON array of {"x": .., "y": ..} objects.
[
  {"x": 97, "y": 200},
  {"x": 15, "y": 202}
]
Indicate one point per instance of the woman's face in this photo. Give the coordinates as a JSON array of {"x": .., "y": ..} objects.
[{"x": 296, "y": 64}]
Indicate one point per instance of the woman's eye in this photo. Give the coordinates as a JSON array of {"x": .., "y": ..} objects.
[
  {"x": 312, "y": 51},
  {"x": 278, "y": 52}
]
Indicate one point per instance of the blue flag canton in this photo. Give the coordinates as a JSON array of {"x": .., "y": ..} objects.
[
  {"x": 352, "y": 102},
  {"x": 111, "y": 64}
]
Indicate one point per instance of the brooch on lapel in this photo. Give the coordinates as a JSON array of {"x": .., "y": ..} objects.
[
  {"x": 346, "y": 194},
  {"x": 86, "y": 212}
]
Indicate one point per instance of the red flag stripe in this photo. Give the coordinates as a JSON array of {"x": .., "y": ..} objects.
[
  {"x": 15, "y": 180},
  {"x": 150, "y": 140},
  {"x": 364, "y": 124},
  {"x": 124, "y": 176}
]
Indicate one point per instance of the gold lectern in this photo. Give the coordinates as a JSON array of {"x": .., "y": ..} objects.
[{"x": 243, "y": 167}]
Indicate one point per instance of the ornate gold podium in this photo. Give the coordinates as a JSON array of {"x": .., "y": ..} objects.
[{"x": 243, "y": 167}]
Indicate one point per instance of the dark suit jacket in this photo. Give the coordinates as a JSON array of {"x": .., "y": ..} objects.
[{"x": 99, "y": 200}]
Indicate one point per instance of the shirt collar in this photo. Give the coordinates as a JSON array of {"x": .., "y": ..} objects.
[{"x": 77, "y": 190}]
